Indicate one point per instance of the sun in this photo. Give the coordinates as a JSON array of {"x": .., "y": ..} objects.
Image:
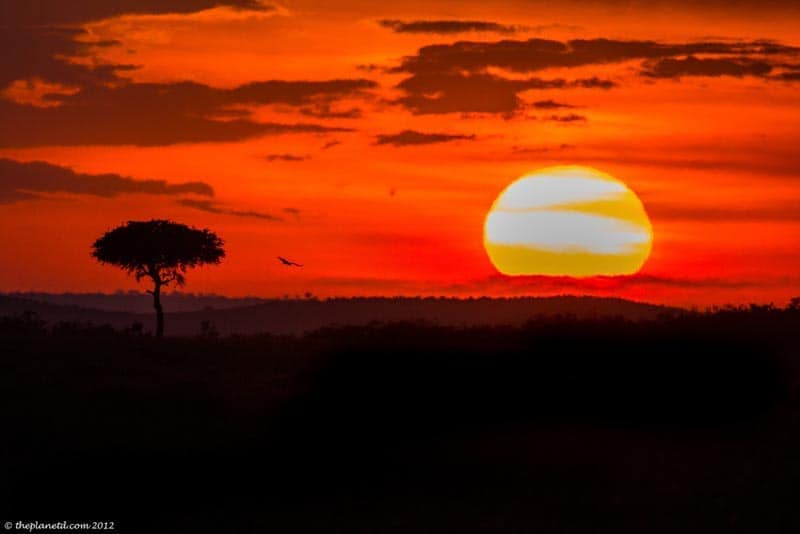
[{"x": 568, "y": 221}]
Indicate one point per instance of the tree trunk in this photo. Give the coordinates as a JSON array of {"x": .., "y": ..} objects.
[{"x": 159, "y": 310}]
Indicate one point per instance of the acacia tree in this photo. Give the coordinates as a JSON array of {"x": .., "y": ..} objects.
[{"x": 161, "y": 250}]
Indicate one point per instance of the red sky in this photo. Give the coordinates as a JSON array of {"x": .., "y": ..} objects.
[{"x": 368, "y": 140}]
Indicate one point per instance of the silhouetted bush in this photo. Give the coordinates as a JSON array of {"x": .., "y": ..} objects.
[
  {"x": 81, "y": 329},
  {"x": 413, "y": 424},
  {"x": 26, "y": 323}
]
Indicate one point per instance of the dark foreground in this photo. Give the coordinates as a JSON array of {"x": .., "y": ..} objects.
[{"x": 680, "y": 424}]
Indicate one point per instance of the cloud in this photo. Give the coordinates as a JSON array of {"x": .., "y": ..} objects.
[
  {"x": 59, "y": 12},
  {"x": 35, "y": 92},
  {"x": 27, "y": 126},
  {"x": 29, "y": 180},
  {"x": 285, "y": 157},
  {"x": 789, "y": 76},
  {"x": 572, "y": 117},
  {"x": 539, "y": 54},
  {"x": 44, "y": 53},
  {"x": 411, "y": 137},
  {"x": 692, "y": 66},
  {"x": 91, "y": 102},
  {"x": 550, "y": 104},
  {"x": 291, "y": 92},
  {"x": 593, "y": 83},
  {"x": 210, "y": 206},
  {"x": 462, "y": 76},
  {"x": 149, "y": 114},
  {"x": 21, "y": 181},
  {"x": 446, "y": 26},
  {"x": 40, "y": 38},
  {"x": 459, "y": 92},
  {"x": 324, "y": 111},
  {"x": 790, "y": 72},
  {"x": 530, "y": 150},
  {"x": 331, "y": 144}
]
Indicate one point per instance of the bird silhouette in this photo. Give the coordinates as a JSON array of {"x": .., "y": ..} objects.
[{"x": 289, "y": 263}]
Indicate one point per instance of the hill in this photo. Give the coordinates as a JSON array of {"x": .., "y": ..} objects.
[{"x": 139, "y": 301}]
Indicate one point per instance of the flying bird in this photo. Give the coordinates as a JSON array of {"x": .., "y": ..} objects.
[{"x": 289, "y": 263}]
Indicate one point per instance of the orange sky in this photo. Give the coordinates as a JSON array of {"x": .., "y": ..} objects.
[{"x": 696, "y": 109}]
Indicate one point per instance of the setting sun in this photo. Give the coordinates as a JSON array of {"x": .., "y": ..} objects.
[{"x": 570, "y": 220}]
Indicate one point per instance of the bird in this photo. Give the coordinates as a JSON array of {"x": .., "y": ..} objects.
[{"x": 289, "y": 263}]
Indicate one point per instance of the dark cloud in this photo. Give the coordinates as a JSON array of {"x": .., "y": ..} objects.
[
  {"x": 325, "y": 111},
  {"x": 572, "y": 117},
  {"x": 457, "y": 92},
  {"x": 285, "y": 157},
  {"x": 43, "y": 53},
  {"x": 29, "y": 180},
  {"x": 535, "y": 150},
  {"x": 150, "y": 114},
  {"x": 790, "y": 72},
  {"x": 40, "y": 37},
  {"x": 447, "y": 26},
  {"x": 538, "y": 54},
  {"x": 474, "y": 93},
  {"x": 60, "y": 12},
  {"x": 27, "y": 126},
  {"x": 210, "y": 206},
  {"x": 593, "y": 83},
  {"x": 460, "y": 92},
  {"x": 456, "y": 77},
  {"x": 550, "y": 104},
  {"x": 331, "y": 144},
  {"x": 105, "y": 108},
  {"x": 102, "y": 107},
  {"x": 291, "y": 92},
  {"x": 411, "y": 137},
  {"x": 692, "y": 66}
]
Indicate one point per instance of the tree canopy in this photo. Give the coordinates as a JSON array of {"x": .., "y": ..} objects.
[{"x": 160, "y": 249}]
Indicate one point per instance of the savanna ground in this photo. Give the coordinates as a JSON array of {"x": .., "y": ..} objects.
[{"x": 685, "y": 423}]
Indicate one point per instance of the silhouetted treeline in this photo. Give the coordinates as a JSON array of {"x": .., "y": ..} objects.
[{"x": 683, "y": 422}]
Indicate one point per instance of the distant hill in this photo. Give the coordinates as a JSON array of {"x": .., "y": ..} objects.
[
  {"x": 298, "y": 316},
  {"x": 139, "y": 301}
]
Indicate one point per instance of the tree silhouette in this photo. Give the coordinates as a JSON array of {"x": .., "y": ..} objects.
[{"x": 161, "y": 250}]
